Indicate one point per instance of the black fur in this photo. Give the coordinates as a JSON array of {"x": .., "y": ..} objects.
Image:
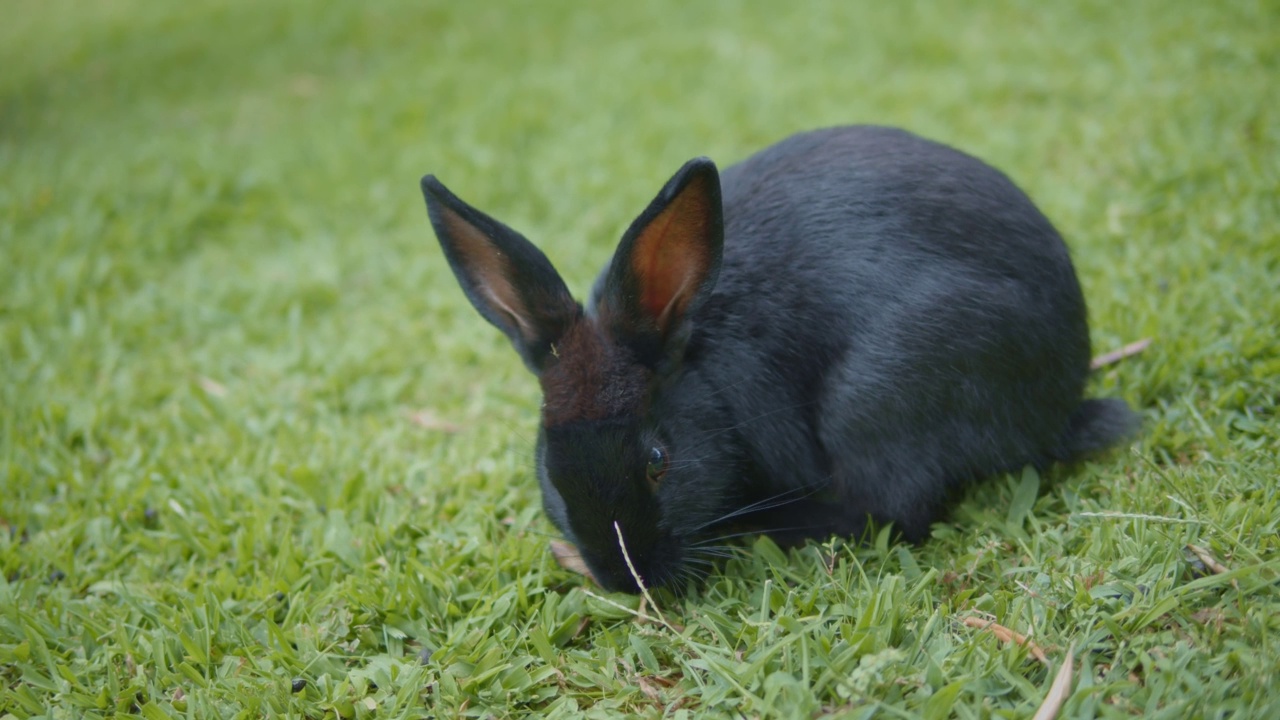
[{"x": 891, "y": 319}]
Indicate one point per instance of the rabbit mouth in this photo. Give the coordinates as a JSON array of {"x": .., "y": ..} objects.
[{"x": 629, "y": 569}]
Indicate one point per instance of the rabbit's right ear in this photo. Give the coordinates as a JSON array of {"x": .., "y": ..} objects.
[
  {"x": 667, "y": 263},
  {"x": 508, "y": 280}
]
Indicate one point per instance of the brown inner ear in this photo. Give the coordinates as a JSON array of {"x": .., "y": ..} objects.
[
  {"x": 489, "y": 271},
  {"x": 670, "y": 257}
]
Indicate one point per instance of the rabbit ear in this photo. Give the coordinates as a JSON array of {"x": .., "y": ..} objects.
[
  {"x": 508, "y": 280},
  {"x": 668, "y": 260}
]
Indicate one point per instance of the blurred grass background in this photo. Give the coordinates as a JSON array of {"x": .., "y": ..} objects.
[{"x": 233, "y": 358}]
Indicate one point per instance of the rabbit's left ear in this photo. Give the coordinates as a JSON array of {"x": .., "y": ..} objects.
[
  {"x": 508, "y": 280},
  {"x": 668, "y": 260}
]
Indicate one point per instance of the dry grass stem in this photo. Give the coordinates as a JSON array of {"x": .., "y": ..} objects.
[
  {"x": 624, "y": 608},
  {"x": 644, "y": 591},
  {"x": 1116, "y": 356}
]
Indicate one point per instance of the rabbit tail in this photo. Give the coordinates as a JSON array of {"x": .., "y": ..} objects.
[{"x": 1095, "y": 426}]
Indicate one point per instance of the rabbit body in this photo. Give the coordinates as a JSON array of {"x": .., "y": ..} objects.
[{"x": 846, "y": 326}]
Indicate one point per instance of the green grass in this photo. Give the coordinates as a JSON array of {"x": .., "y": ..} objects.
[{"x": 221, "y": 303}]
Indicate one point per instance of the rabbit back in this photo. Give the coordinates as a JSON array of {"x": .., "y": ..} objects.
[{"x": 892, "y": 318}]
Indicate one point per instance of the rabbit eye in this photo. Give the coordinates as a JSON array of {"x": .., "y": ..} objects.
[{"x": 657, "y": 466}]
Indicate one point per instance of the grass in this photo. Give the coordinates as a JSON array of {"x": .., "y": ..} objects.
[{"x": 230, "y": 355}]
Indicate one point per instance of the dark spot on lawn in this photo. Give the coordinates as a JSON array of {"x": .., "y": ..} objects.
[
  {"x": 424, "y": 656},
  {"x": 282, "y": 607},
  {"x": 299, "y": 684}
]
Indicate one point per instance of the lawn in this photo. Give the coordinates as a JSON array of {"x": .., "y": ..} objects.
[{"x": 258, "y": 456}]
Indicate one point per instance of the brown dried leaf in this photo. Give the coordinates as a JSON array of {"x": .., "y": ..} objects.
[
  {"x": 1007, "y": 636},
  {"x": 568, "y": 557},
  {"x": 648, "y": 689},
  {"x": 1094, "y": 579},
  {"x": 1208, "y": 616},
  {"x": 429, "y": 420},
  {"x": 1208, "y": 559},
  {"x": 582, "y": 625},
  {"x": 212, "y": 387},
  {"x": 304, "y": 85},
  {"x": 1060, "y": 690}
]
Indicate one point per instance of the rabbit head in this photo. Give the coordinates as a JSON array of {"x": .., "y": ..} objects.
[{"x": 609, "y": 455}]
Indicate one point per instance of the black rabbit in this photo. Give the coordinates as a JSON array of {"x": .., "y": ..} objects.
[{"x": 846, "y": 326}]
